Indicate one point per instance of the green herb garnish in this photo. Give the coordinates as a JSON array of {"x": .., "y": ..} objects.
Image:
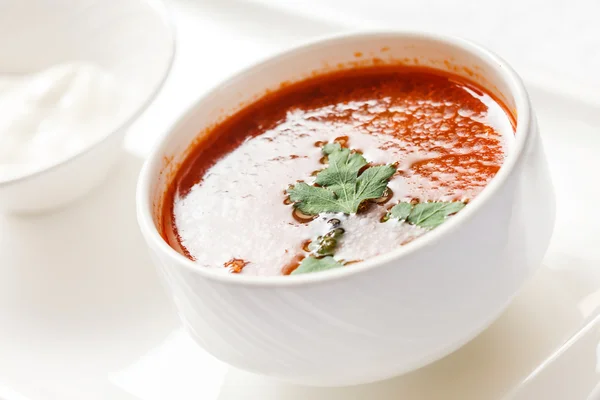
[
  {"x": 325, "y": 245},
  {"x": 341, "y": 188},
  {"x": 313, "y": 264},
  {"x": 401, "y": 211},
  {"x": 426, "y": 215}
]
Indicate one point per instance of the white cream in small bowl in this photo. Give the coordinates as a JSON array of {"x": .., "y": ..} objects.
[
  {"x": 73, "y": 77},
  {"x": 52, "y": 115},
  {"x": 391, "y": 313}
]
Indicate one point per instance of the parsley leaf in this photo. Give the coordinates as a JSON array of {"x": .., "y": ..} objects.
[
  {"x": 343, "y": 167},
  {"x": 313, "y": 264},
  {"x": 430, "y": 215},
  {"x": 313, "y": 200},
  {"x": 426, "y": 215},
  {"x": 340, "y": 188},
  {"x": 401, "y": 211}
]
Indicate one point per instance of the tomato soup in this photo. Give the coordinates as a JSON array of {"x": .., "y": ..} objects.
[{"x": 333, "y": 170}]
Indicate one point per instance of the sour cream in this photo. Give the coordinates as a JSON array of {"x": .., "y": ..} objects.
[{"x": 51, "y": 115}]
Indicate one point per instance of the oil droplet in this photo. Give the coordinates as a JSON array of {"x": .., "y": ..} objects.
[
  {"x": 301, "y": 217},
  {"x": 342, "y": 140},
  {"x": 306, "y": 245},
  {"x": 235, "y": 265},
  {"x": 364, "y": 206},
  {"x": 292, "y": 265},
  {"x": 334, "y": 222},
  {"x": 335, "y": 233},
  {"x": 387, "y": 195}
]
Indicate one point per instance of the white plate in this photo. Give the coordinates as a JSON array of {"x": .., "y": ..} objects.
[{"x": 82, "y": 315}]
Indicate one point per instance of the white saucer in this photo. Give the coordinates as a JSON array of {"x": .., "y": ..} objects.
[{"x": 82, "y": 314}]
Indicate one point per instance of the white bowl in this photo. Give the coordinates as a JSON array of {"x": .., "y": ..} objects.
[
  {"x": 131, "y": 39},
  {"x": 392, "y": 313}
]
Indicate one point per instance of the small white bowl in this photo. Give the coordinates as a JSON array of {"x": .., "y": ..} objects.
[
  {"x": 390, "y": 314},
  {"x": 132, "y": 39}
]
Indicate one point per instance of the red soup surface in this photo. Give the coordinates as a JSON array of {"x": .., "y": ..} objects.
[{"x": 334, "y": 170}]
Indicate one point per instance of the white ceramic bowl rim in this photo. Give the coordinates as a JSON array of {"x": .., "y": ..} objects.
[
  {"x": 516, "y": 89},
  {"x": 163, "y": 13}
]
